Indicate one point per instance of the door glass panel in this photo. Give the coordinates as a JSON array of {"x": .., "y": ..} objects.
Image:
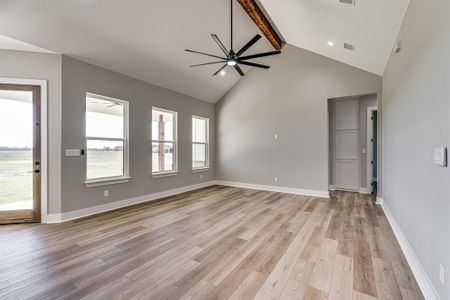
[{"x": 16, "y": 153}]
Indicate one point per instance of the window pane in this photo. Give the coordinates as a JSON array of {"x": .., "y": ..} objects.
[
  {"x": 199, "y": 130},
  {"x": 104, "y": 159},
  {"x": 199, "y": 155},
  {"x": 163, "y": 157},
  {"x": 163, "y": 125},
  {"x": 104, "y": 118}
]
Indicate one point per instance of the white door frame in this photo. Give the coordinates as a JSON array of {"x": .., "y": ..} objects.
[
  {"x": 44, "y": 121},
  {"x": 369, "y": 147}
]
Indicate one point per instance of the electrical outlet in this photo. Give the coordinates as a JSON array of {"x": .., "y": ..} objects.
[
  {"x": 275, "y": 136},
  {"x": 275, "y": 179},
  {"x": 441, "y": 274},
  {"x": 201, "y": 176},
  {"x": 106, "y": 193}
]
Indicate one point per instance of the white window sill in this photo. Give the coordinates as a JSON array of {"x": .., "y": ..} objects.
[
  {"x": 106, "y": 181},
  {"x": 164, "y": 174},
  {"x": 197, "y": 170}
]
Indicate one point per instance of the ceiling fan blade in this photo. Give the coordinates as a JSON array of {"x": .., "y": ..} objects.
[
  {"x": 221, "y": 68},
  {"x": 210, "y": 63},
  {"x": 260, "y": 55},
  {"x": 221, "y": 45},
  {"x": 254, "y": 65},
  {"x": 207, "y": 54},
  {"x": 239, "y": 70},
  {"x": 248, "y": 45}
]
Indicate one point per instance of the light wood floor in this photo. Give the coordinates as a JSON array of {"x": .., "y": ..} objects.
[{"x": 214, "y": 243}]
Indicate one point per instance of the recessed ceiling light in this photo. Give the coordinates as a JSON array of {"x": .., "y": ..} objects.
[
  {"x": 222, "y": 73},
  {"x": 231, "y": 62},
  {"x": 331, "y": 43}
]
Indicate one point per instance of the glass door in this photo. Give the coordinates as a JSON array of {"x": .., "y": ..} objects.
[{"x": 20, "y": 176}]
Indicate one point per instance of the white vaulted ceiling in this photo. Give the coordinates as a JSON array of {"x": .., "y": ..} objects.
[
  {"x": 145, "y": 39},
  {"x": 12, "y": 44},
  {"x": 370, "y": 25}
]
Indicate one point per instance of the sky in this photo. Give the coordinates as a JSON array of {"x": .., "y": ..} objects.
[{"x": 16, "y": 124}]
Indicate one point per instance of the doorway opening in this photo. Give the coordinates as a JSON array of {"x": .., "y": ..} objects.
[
  {"x": 372, "y": 151},
  {"x": 20, "y": 153},
  {"x": 353, "y": 154}
]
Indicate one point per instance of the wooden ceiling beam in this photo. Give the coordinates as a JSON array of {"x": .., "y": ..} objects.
[{"x": 256, "y": 14}]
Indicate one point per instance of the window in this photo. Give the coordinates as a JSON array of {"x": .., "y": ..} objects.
[
  {"x": 106, "y": 138},
  {"x": 200, "y": 143},
  {"x": 164, "y": 141}
]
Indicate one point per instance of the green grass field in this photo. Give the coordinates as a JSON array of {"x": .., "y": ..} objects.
[
  {"x": 15, "y": 176},
  {"x": 16, "y": 171}
]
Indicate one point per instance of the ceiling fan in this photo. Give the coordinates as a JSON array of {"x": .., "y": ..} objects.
[{"x": 234, "y": 59}]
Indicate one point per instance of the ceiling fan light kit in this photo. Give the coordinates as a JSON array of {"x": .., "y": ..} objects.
[{"x": 234, "y": 59}]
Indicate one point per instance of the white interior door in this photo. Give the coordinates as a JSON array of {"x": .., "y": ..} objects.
[{"x": 346, "y": 145}]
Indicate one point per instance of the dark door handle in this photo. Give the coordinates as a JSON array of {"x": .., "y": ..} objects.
[{"x": 37, "y": 171}]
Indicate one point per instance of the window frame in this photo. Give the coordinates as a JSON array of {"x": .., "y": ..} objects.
[
  {"x": 175, "y": 170},
  {"x": 206, "y": 143},
  {"x": 93, "y": 182}
]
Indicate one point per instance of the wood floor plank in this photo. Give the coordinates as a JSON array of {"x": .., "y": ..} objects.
[
  {"x": 342, "y": 281},
  {"x": 212, "y": 243},
  {"x": 386, "y": 283},
  {"x": 363, "y": 275},
  {"x": 297, "y": 284}
]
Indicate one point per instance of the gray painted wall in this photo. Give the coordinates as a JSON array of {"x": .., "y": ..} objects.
[
  {"x": 28, "y": 65},
  {"x": 77, "y": 79},
  {"x": 416, "y": 116},
  {"x": 289, "y": 100}
]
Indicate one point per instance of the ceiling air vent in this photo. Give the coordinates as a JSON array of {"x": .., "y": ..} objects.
[
  {"x": 349, "y": 46},
  {"x": 352, "y": 2}
]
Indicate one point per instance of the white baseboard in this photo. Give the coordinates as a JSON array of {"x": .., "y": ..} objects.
[
  {"x": 364, "y": 191},
  {"x": 271, "y": 188},
  {"x": 379, "y": 201},
  {"x": 85, "y": 212},
  {"x": 424, "y": 282},
  {"x": 332, "y": 187}
]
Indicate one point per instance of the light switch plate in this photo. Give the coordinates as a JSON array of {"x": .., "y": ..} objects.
[
  {"x": 73, "y": 152},
  {"x": 440, "y": 156}
]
